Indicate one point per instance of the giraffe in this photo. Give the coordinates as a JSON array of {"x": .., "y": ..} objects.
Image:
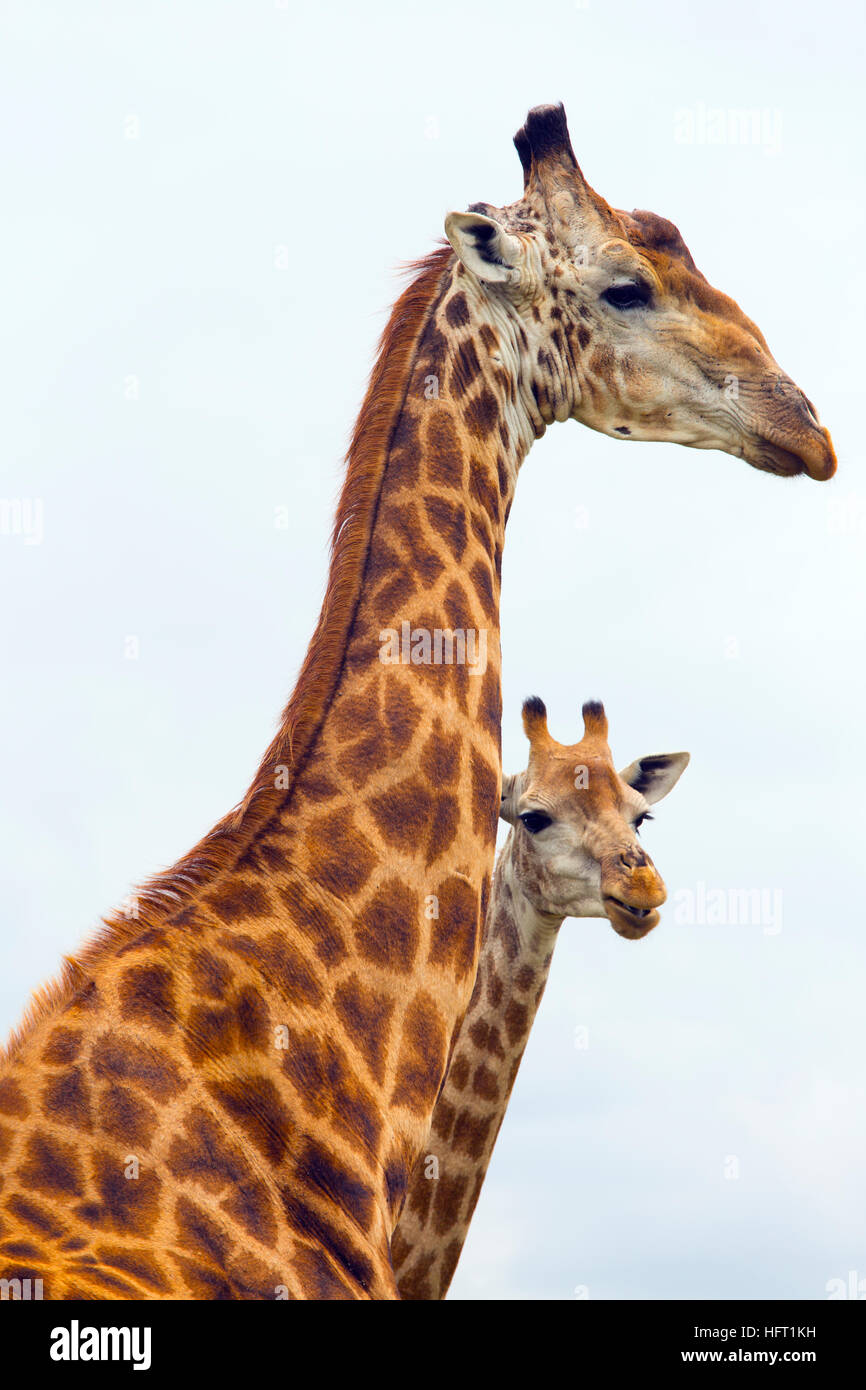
[
  {"x": 225, "y": 1092},
  {"x": 572, "y": 851}
]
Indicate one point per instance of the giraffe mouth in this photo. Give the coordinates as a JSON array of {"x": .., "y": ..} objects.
[
  {"x": 816, "y": 458},
  {"x": 629, "y": 921},
  {"x": 772, "y": 458}
]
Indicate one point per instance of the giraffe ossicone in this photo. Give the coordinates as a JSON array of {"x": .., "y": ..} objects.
[
  {"x": 267, "y": 1034},
  {"x": 573, "y": 851}
]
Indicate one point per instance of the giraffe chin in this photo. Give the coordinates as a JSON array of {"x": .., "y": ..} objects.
[{"x": 631, "y": 922}]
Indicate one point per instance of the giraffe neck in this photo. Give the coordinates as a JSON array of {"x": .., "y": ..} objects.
[
  {"x": 513, "y": 967},
  {"x": 393, "y": 817},
  {"x": 268, "y": 1035}
]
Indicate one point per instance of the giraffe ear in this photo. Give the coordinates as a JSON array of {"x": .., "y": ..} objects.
[
  {"x": 484, "y": 247},
  {"x": 656, "y": 775},
  {"x": 510, "y": 793}
]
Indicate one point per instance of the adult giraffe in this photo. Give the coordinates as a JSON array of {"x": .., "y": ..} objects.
[{"x": 224, "y": 1095}]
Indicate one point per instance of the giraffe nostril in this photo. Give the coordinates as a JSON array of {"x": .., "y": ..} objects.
[{"x": 632, "y": 858}]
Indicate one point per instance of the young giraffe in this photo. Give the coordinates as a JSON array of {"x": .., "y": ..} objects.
[
  {"x": 264, "y": 1042},
  {"x": 572, "y": 852}
]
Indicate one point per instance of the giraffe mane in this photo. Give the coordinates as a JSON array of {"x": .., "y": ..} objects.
[
  {"x": 166, "y": 895},
  {"x": 356, "y": 509}
]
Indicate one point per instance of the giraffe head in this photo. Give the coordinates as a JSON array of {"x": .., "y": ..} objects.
[
  {"x": 613, "y": 324},
  {"x": 575, "y": 819}
]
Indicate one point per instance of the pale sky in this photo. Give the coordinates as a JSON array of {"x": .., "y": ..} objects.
[{"x": 203, "y": 208}]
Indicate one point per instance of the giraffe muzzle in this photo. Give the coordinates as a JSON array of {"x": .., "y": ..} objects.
[
  {"x": 811, "y": 453},
  {"x": 820, "y": 458},
  {"x": 789, "y": 439},
  {"x": 631, "y": 899}
]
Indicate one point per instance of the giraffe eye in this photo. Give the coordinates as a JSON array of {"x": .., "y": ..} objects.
[
  {"x": 631, "y": 296},
  {"x": 640, "y": 820},
  {"x": 535, "y": 821}
]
